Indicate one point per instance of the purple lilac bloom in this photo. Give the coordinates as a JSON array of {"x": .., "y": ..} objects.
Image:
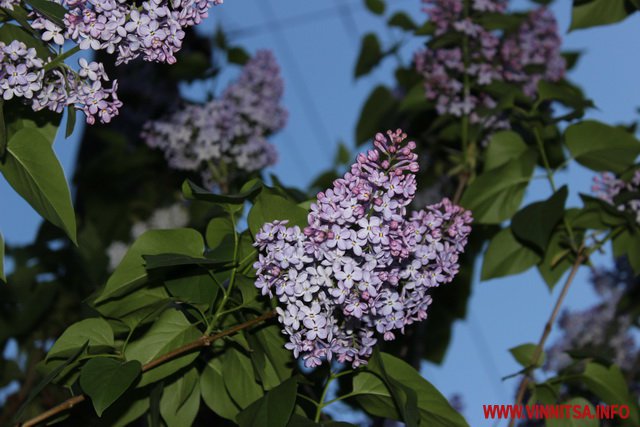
[
  {"x": 232, "y": 129},
  {"x": 607, "y": 187},
  {"x": 22, "y": 75},
  {"x": 601, "y": 328},
  {"x": 152, "y": 28},
  {"x": 369, "y": 264},
  {"x": 524, "y": 57}
]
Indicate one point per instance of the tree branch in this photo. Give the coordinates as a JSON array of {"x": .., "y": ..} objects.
[
  {"x": 203, "y": 341},
  {"x": 547, "y": 328}
]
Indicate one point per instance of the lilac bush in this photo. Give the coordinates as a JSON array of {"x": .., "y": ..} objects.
[
  {"x": 607, "y": 187},
  {"x": 362, "y": 267},
  {"x": 523, "y": 57},
  {"x": 229, "y": 131}
]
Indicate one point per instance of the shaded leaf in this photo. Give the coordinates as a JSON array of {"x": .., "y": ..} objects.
[
  {"x": 270, "y": 207},
  {"x": 496, "y": 195},
  {"x": 601, "y": 147},
  {"x": 504, "y": 147},
  {"x": 131, "y": 272},
  {"x": 534, "y": 224},
  {"x": 181, "y": 400},
  {"x": 104, "y": 380},
  {"x": 273, "y": 409},
  {"x": 195, "y": 192},
  {"x": 370, "y": 55},
  {"x": 170, "y": 331},
  {"x": 95, "y": 333},
  {"x": 214, "y": 393},
  {"x": 593, "y": 13},
  {"x": 506, "y": 256}
]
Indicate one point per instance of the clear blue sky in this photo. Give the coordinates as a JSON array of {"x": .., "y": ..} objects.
[{"x": 316, "y": 44}]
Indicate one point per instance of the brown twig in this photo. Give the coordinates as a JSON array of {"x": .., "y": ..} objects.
[
  {"x": 547, "y": 328},
  {"x": 201, "y": 342}
]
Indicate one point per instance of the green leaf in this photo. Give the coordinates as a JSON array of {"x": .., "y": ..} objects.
[
  {"x": 194, "y": 289},
  {"x": 217, "y": 229},
  {"x": 2, "y": 275},
  {"x": 71, "y": 121},
  {"x": 96, "y": 333},
  {"x": 496, "y": 195},
  {"x": 239, "y": 379},
  {"x": 556, "y": 259},
  {"x": 370, "y": 55},
  {"x": 180, "y": 400},
  {"x": 104, "y": 380},
  {"x": 504, "y": 147},
  {"x": 375, "y": 397},
  {"x": 597, "y": 12},
  {"x": 609, "y": 385},
  {"x": 524, "y": 355},
  {"x": 131, "y": 273},
  {"x": 272, "y": 410},
  {"x": 54, "y": 12},
  {"x": 32, "y": 169},
  {"x": 237, "y": 55},
  {"x": 403, "y": 21},
  {"x": 377, "y": 113},
  {"x": 137, "y": 306},
  {"x": 628, "y": 244},
  {"x": 584, "y": 421},
  {"x": 170, "y": 331},
  {"x": 270, "y": 207},
  {"x": 10, "y": 32},
  {"x": 51, "y": 376},
  {"x": 194, "y": 192},
  {"x": 273, "y": 362},
  {"x": 375, "y": 6},
  {"x": 4, "y": 137},
  {"x": 302, "y": 421},
  {"x": 534, "y": 224},
  {"x": 131, "y": 406},
  {"x": 214, "y": 393},
  {"x": 506, "y": 256},
  {"x": 152, "y": 262},
  {"x": 602, "y": 147}
]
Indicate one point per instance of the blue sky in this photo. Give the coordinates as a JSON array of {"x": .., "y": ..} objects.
[{"x": 316, "y": 44}]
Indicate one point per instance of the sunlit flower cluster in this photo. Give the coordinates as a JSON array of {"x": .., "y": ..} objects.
[
  {"x": 363, "y": 266},
  {"x": 228, "y": 132},
  {"x": 23, "y": 75},
  {"x": 153, "y": 28},
  {"x": 481, "y": 57},
  {"x": 608, "y": 188}
]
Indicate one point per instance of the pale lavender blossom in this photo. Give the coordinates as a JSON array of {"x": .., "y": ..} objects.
[
  {"x": 369, "y": 264},
  {"x": 608, "y": 187},
  {"x": 231, "y": 130}
]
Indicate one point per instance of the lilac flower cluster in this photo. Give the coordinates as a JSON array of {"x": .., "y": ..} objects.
[
  {"x": 154, "y": 28},
  {"x": 362, "y": 267},
  {"x": 607, "y": 187},
  {"x": 23, "y": 75},
  {"x": 601, "y": 328},
  {"x": 492, "y": 57},
  {"x": 229, "y": 131}
]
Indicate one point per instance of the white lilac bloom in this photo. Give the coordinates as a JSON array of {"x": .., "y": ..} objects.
[
  {"x": 523, "y": 57},
  {"x": 368, "y": 263},
  {"x": 232, "y": 129}
]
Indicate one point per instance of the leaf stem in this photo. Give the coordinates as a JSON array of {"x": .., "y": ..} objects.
[
  {"x": 203, "y": 341},
  {"x": 61, "y": 58}
]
